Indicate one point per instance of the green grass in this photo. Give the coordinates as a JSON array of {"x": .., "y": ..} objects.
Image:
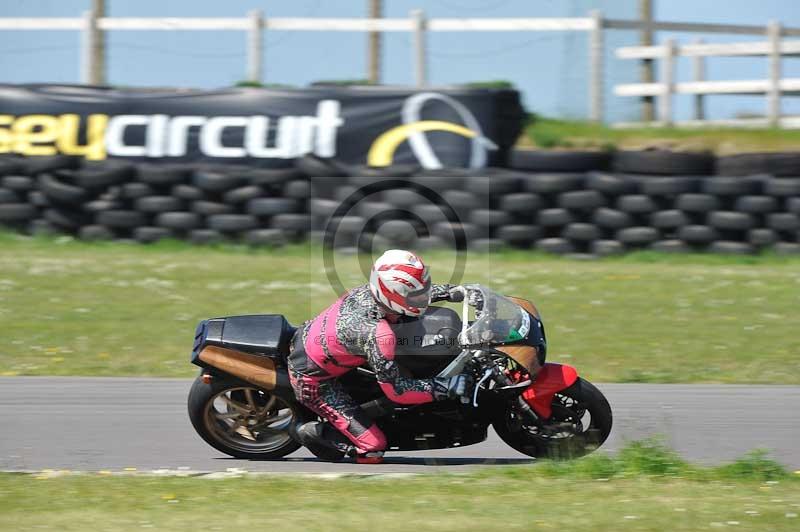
[
  {"x": 73, "y": 308},
  {"x": 545, "y": 132},
  {"x": 651, "y": 457},
  {"x": 645, "y": 487}
]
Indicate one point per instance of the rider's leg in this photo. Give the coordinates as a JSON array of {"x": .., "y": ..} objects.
[
  {"x": 314, "y": 388},
  {"x": 329, "y": 399},
  {"x": 304, "y": 376}
]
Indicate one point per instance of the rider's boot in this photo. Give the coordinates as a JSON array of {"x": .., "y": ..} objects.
[
  {"x": 374, "y": 457},
  {"x": 316, "y": 432}
]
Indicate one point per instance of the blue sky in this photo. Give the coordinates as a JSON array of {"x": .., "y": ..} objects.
[{"x": 549, "y": 68}]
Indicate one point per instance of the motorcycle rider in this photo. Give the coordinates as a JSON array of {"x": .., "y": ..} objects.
[{"x": 355, "y": 331}]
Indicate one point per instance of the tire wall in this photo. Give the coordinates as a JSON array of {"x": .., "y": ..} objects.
[{"x": 557, "y": 202}]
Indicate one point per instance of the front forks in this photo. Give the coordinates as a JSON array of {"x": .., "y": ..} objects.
[
  {"x": 527, "y": 412},
  {"x": 508, "y": 389}
]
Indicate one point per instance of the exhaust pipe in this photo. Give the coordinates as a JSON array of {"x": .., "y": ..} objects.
[{"x": 255, "y": 369}]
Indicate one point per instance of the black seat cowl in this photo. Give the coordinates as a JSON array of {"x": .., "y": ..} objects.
[{"x": 261, "y": 334}]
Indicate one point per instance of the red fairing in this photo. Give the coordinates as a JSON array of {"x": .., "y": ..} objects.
[{"x": 552, "y": 378}]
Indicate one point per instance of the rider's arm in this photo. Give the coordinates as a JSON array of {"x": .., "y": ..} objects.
[
  {"x": 380, "y": 350},
  {"x": 445, "y": 292}
]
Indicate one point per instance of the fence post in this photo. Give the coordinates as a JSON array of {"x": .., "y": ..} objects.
[
  {"x": 667, "y": 83},
  {"x": 374, "y": 40},
  {"x": 774, "y": 88},
  {"x": 254, "y": 42},
  {"x": 597, "y": 56},
  {"x": 420, "y": 52},
  {"x": 699, "y": 74},
  {"x": 88, "y": 42}
]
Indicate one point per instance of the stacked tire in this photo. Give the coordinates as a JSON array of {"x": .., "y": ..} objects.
[
  {"x": 562, "y": 202},
  {"x": 20, "y": 201},
  {"x": 148, "y": 202},
  {"x": 41, "y": 195}
]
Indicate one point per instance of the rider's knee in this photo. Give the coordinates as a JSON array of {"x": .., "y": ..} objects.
[{"x": 373, "y": 439}]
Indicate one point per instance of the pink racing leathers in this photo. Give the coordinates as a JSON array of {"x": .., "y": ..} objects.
[{"x": 352, "y": 332}]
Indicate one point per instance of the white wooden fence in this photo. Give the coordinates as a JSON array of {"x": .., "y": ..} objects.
[
  {"x": 773, "y": 86},
  {"x": 255, "y": 24}
]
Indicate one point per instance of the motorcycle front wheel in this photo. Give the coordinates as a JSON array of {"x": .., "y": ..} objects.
[
  {"x": 241, "y": 420},
  {"x": 580, "y": 423}
]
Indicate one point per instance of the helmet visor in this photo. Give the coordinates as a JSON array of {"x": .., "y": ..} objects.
[{"x": 420, "y": 298}]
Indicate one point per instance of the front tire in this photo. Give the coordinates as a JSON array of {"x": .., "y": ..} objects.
[
  {"x": 580, "y": 423},
  {"x": 241, "y": 420}
]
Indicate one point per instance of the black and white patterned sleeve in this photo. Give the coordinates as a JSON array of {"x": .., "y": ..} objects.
[{"x": 380, "y": 350}]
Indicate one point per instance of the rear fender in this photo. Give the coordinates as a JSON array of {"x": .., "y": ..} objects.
[{"x": 551, "y": 379}]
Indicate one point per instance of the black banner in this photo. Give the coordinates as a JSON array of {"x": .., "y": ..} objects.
[{"x": 377, "y": 126}]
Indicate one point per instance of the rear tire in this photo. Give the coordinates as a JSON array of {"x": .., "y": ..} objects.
[
  {"x": 204, "y": 401},
  {"x": 570, "y": 406}
]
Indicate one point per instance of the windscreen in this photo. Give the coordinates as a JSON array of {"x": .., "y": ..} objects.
[{"x": 499, "y": 321}]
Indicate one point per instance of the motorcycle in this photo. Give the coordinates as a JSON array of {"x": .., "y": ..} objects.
[{"x": 242, "y": 403}]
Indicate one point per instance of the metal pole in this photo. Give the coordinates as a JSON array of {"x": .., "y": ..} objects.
[
  {"x": 597, "y": 55},
  {"x": 774, "y": 89},
  {"x": 254, "y": 42},
  {"x": 647, "y": 66},
  {"x": 699, "y": 74},
  {"x": 374, "y": 44},
  {"x": 667, "y": 83},
  {"x": 420, "y": 59},
  {"x": 88, "y": 36}
]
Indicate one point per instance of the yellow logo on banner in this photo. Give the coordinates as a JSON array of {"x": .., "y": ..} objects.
[
  {"x": 49, "y": 135},
  {"x": 381, "y": 153}
]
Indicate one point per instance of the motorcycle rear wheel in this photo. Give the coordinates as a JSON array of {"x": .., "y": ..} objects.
[
  {"x": 568, "y": 433},
  {"x": 241, "y": 420}
]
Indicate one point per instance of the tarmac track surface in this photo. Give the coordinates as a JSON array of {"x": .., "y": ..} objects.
[{"x": 83, "y": 423}]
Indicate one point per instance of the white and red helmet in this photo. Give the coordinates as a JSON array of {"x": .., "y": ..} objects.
[{"x": 401, "y": 282}]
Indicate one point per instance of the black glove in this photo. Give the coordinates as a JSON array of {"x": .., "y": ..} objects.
[
  {"x": 459, "y": 387},
  {"x": 475, "y": 299},
  {"x": 455, "y": 295}
]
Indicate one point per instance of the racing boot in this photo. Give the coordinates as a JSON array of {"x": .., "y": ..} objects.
[
  {"x": 318, "y": 433},
  {"x": 373, "y": 457}
]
